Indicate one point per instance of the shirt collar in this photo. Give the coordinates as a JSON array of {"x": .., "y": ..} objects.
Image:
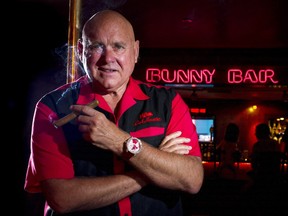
[{"x": 133, "y": 92}]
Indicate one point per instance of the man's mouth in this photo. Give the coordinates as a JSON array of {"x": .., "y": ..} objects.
[{"x": 108, "y": 70}]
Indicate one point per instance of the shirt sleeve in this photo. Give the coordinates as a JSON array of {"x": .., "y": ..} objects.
[
  {"x": 181, "y": 121},
  {"x": 49, "y": 157}
]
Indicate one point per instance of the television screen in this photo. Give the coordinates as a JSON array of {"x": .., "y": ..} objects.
[{"x": 204, "y": 127}]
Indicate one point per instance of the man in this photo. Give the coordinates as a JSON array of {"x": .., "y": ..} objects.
[{"x": 131, "y": 155}]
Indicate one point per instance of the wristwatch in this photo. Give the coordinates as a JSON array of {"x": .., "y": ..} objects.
[{"x": 132, "y": 146}]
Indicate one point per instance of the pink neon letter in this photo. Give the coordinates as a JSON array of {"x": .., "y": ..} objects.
[
  {"x": 265, "y": 74},
  {"x": 208, "y": 76},
  {"x": 153, "y": 75},
  {"x": 234, "y": 76},
  {"x": 251, "y": 76},
  {"x": 182, "y": 78},
  {"x": 166, "y": 76}
]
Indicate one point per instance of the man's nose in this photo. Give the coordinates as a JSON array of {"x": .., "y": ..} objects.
[{"x": 109, "y": 55}]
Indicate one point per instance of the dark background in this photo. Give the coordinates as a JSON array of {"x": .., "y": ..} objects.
[{"x": 35, "y": 35}]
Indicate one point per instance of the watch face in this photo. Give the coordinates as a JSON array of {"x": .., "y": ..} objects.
[{"x": 134, "y": 145}]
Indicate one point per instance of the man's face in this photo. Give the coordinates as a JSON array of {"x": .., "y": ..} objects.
[{"x": 109, "y": 53}]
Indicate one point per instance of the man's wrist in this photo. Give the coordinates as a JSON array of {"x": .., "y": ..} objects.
[{"x": 132, "y": 146}]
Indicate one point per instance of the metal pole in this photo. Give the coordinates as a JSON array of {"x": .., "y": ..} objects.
[{"x": 73, "y": 33}]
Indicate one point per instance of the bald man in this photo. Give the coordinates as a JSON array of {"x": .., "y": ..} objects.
[{"x": 134, "y": 154}]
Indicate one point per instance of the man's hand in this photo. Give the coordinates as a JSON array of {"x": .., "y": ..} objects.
[
  {"x": 176, "y": 144},
  {"x": 99, "y": 130}
]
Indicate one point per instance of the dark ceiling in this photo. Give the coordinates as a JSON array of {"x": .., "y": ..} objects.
[
  {"x": 196, "y": 23},
  {"x": 210, "y": 23}
]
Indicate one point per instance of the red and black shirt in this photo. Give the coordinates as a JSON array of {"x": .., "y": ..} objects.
[{"x": 146, "y": 111}]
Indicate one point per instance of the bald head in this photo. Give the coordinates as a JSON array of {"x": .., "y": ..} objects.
[
  {"x": 108, "y": 50},
  {"x": 107, "y": 20}
]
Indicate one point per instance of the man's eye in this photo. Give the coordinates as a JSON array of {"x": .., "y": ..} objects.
[
  {"x": 98, "y": 48},
  {"x": 118, "y": 47}
]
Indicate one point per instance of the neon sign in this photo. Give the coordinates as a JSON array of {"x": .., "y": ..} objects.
[
  {"x": 190, "y": 76},
  {"x": 251, "y": 76}
]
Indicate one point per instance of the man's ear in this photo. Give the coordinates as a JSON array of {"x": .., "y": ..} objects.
[
  {"x": 136, "y": 50},
  {"x": 80, "y": 49}
]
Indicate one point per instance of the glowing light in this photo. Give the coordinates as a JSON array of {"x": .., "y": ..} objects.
[
  {"x": 202, "y": 110},
  {"x": 252, "y": 108},
  {"x": 194, "y": 110},
  {"x": 179, "y": 76},
  {"x": 198, "y": 110},
  {"x": 196, "y": 76},
  {"x": 250, "y": 76}
]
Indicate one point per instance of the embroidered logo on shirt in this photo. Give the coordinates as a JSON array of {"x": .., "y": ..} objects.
[{"x": 145, "y": 118}]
